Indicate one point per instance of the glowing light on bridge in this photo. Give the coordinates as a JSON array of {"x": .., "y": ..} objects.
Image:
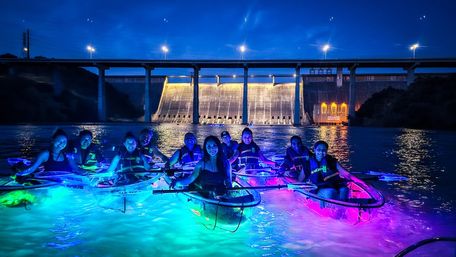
[
  {"x": 242, "y": 49},
  {"x": 325, "y": 49},
  {"x": 165, "y": 50},
  {"x": 413, "y": 49},
  {"x": 91, "y": 50}
]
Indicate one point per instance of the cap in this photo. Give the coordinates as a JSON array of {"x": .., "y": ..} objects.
[{"x": 224, "y": 133}]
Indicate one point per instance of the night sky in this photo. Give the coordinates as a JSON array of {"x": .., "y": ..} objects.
[{"x": 215, "y": 29}]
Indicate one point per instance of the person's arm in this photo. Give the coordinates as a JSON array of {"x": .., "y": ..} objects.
[
  {"x": 234, "y": 157},
  {"x": 159, "y": 154},
  {"x": 174, "y": 159},
  {"x": 42, "y": 157},
  {"x": 146, "y": 164},
  {"x": 115, "y": 161},
  {"x": 188, "y": 180},
  {"x": 342, "y": 171},
  {"x": 266, "y": 160}
]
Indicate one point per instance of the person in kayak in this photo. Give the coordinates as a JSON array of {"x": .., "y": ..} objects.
[
  {"x": 86, "y": 153},
  {"x": 54, "y": 159},
  {"x": 296, "y": 161},
  {"x": 147, "y": 148},
  {"x": 327, "y": 173},
  {"x": 212, "y": 175},
  {"x": 249, "y": 153},
  {"x": 128, "y": 161},
  {"x": 229, "y": 146},
  {"x": 189, "y": 153}
]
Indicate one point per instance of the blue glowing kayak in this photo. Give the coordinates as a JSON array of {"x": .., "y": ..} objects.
[{"x": 231, "y": 209}]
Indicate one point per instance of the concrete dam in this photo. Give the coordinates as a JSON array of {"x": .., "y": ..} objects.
[{"x": 268, "y": 104}]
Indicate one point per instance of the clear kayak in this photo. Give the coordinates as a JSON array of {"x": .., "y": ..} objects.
[{"x": 229, "y": 210}]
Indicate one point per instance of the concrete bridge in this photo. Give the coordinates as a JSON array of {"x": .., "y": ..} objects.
[{"x": 408, "y": 65}]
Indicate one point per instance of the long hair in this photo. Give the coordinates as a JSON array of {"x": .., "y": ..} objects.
[{"x": 221, "y": 158}]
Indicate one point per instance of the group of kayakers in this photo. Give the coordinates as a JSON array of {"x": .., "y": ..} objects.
[{"x": 213, "y": 163}]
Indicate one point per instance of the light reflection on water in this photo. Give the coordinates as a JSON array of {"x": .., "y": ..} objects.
[{"x": 74, "y": 223}]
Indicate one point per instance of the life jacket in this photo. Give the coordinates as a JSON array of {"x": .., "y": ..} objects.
[
  {"x": 186, "y": 156},
  {"x": 89, "y": 156},
  {"x": 298, "y": 161},
  {"x": 52, "y": 165},
  {"x": 249, "y": 155},
  {"x": 324, "y": 173},
  {"x": 130, "y": 161}
]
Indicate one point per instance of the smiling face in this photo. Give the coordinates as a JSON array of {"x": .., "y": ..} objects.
[
  {"x": 212, "y": 148},
  {"x": 320, "y": 152},
  {"x": 130, "y": 144},
  {"x": 59, "y": 143},
  {"x": 86, "y": 140},
  {"x": 247, "y": 138}
]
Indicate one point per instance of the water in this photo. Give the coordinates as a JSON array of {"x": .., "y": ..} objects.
[{"x": 68, "y": 222}]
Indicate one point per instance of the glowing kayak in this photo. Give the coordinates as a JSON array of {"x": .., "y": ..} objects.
[
  {"x": 363, "y": 201},
  {"x": 228, "y": 210},
  {"x": 9, "y": 184},
  {"x": 143, "y": 184}
]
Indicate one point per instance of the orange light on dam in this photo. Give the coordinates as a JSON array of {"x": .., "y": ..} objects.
[{"x": 337, "y": 113}]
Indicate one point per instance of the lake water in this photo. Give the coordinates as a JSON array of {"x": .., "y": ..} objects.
[{"x": 70, "y": 222}]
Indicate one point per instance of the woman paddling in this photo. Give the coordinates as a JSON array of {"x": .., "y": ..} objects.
[
  {"x": 327, "y": 173},
  {"x": 54, "y": 159},
  {"x": 212, "y": 175}
]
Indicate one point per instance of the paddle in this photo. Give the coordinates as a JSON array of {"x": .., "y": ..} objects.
[
  {"x": 290, "y": 186},
  {"x": 381, "y": 176}
]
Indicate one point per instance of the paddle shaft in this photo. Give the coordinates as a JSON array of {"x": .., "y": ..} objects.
[{"x": 168, "y": 191}]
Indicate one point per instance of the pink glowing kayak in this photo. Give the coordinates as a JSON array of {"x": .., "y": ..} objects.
[{"x": 363, "y": 200}]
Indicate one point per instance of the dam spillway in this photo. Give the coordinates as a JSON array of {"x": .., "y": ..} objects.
[{"x": 268, "y": 104}]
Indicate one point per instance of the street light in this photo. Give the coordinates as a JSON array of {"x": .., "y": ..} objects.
[
  {"x": 165, "y": 50},
  {"x": 325, "y": 49},
  {"x": 413, "y": 48},
  {"x": 91, "y": 50},
  {"x": 242, "y": 49}
]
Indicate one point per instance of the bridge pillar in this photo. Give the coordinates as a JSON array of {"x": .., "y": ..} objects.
[
  {"x": 101, "y": 93},
  {"x": 297, "y": 105},
  {"x": 245, "y": 110},
  {"x": 352, "y": 94},
  {"x": 410, "y": 76},
  {"x": 147, "y": 114},
  {"x": 196, "y": 95}
]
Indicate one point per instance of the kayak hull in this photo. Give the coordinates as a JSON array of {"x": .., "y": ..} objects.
[{"x": 232, "y": 210}]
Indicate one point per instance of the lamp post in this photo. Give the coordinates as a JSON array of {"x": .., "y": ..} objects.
[
  {"x": 413, "y": 48},
  {"x": 165, "y": 50},
  {"x": 91, "y": 50},
  {"x": 325, "y": 49},
  {"x": 242, "y": 49}
]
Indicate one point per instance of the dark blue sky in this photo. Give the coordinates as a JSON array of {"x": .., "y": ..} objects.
[{"x": 215, "y": 29}]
